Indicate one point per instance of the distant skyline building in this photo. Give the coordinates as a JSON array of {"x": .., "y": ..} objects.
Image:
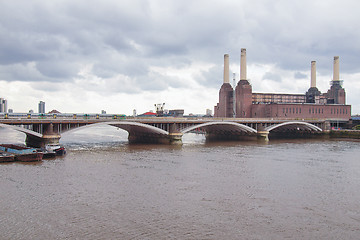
[
  {"x": 41, "y": 107},
  {"x": 3, "y": 105}
]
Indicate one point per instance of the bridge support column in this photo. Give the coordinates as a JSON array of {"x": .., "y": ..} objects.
[
  {"x": 39, "y": 142},
  {"x": 263, "y": 135},
  {"x": 175, "y": 136},
  {"x": 49, "y": 137}
]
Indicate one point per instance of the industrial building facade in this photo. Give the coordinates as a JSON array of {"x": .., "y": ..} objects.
[{"x": 241, "y": 102}]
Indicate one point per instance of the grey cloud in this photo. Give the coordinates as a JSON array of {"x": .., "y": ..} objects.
[
  {"x": 299, "y": 75},
  {"x": 212, "y": 78},
  {"x": 272, "y": 76},
  {"x": 128, "y": 37},
  {"x": 21, "y": 72},
  {"x": 58, "y": 70}
]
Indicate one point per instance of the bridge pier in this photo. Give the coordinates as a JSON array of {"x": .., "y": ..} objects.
[
  {"x": 175, "y": 136},
  {"x": 49, "y": 137},
  {"x": 39, "y": 142},
  {"x": 263, "y": 135}
]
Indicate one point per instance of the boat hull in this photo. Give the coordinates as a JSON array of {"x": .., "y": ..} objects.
[
  {"x": 6, "y": 158},
  {"x": 29, "y": 157},
  {"x": 61, "y": 151}
]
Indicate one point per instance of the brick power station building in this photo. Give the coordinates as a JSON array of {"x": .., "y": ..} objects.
[{"x": 242, "y": 102}]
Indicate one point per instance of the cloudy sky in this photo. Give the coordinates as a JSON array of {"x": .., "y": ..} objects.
[{"x": 118, "y": 55}]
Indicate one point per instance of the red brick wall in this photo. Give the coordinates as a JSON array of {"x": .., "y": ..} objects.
[
  {"x": 225, "y": 105},
  {"x": 301, "y": 111},
  {"x": 243, "y": 93}
]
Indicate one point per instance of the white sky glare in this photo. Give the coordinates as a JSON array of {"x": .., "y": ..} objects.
[{"x": 118, "y": 55}]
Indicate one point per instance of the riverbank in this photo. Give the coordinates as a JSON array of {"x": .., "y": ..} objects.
[{"x": 345, "y": 133}]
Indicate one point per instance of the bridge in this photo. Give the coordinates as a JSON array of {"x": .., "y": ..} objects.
[{"x": 167, "y": 130}]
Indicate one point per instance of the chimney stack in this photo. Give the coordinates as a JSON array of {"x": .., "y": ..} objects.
[
  {"x": 336, "y": 76},
  {"x": 313, "y": 74},
  {"x": 243, "y": 64},
  {"x": 226, "y": 69}
]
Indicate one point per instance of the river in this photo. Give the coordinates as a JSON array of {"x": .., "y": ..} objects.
[{"x": 105, "y": 188}]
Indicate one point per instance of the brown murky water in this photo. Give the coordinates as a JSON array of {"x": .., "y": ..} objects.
[{"x": 106, "y": 189}]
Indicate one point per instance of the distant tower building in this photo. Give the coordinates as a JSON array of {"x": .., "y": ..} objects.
[
  {"x": 3, "y": 105},
  {"x": 41, "y": 107}
]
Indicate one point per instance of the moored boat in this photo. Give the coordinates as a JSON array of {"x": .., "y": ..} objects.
[
  {"x": 55, "y": 148},
  {"x": 22, "y": 153}
]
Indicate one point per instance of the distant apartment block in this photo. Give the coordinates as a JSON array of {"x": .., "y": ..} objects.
[
  {"x": 41, "y": 107},
  {"x": 3, "y": 105}
]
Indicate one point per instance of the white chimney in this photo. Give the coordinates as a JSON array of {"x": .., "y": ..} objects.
[
  {"x": 336, "y": 76},
  {"x": 226, "y": 69},
  {"x": 243, "y": 64},
  {"x": 313, "y": 74}
]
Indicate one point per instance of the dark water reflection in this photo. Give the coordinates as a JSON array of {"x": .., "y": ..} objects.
[{"x": 106, "y": 189}]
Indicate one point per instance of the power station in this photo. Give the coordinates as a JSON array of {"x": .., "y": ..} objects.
[{"x": 241, "y": 102}]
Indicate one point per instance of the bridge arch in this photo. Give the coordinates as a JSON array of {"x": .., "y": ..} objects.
[
  {"x": 127, "y": 126},
  {"x": 221, "y": 126},
  {"x": 137, "y": 127},
  {"x": 294, "y": 125}
]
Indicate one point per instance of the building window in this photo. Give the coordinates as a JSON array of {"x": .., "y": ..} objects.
[
  {"x": 309, "y": 110},
  {"x": 299, "y": 110},
  {"x": 283, "y": 110},
  {"x": 322, "y": 111}
]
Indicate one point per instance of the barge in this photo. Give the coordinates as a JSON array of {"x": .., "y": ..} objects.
[{"x": 22, "y": 153}]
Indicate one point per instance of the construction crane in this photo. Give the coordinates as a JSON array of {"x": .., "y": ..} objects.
[{"x": 159, "y": 108}]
